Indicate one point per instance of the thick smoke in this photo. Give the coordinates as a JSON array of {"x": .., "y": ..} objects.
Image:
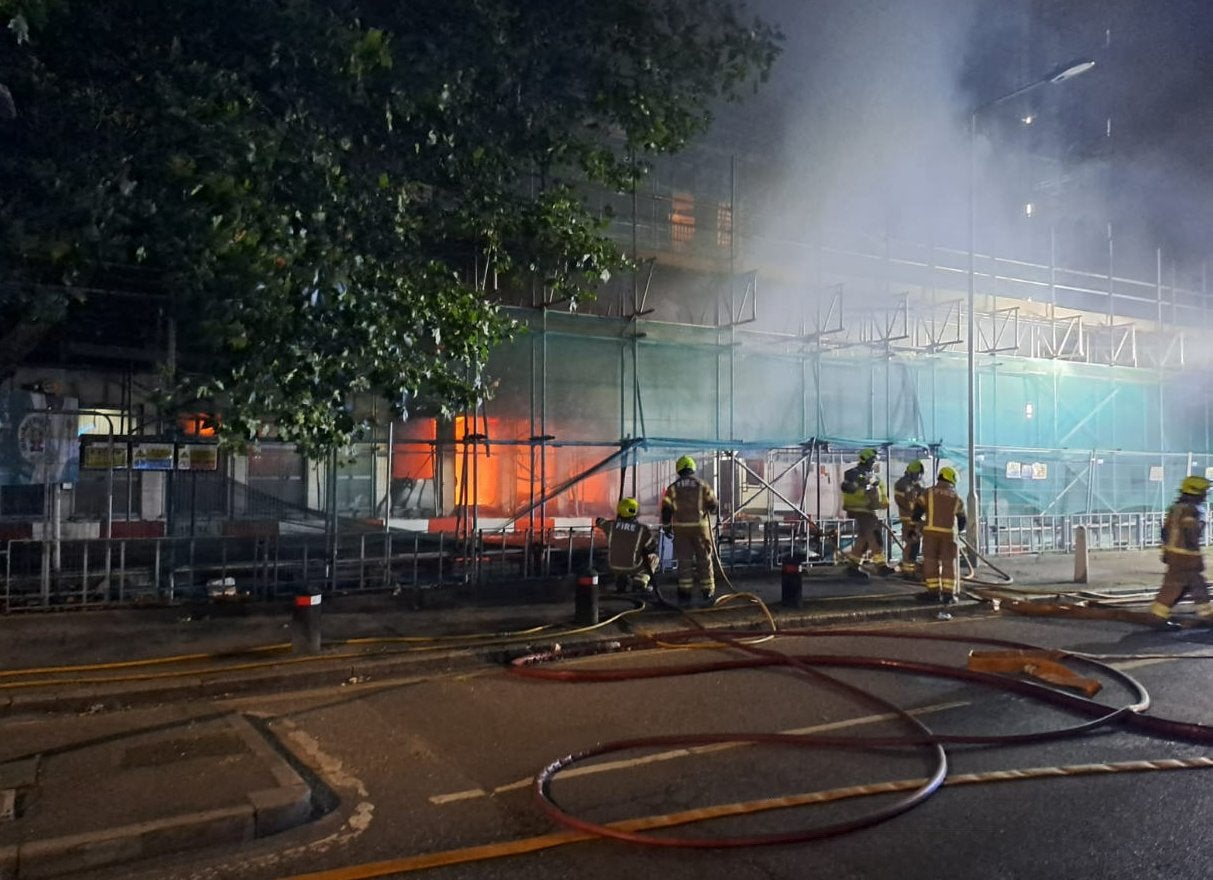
[{"x": 868, "y": 112}]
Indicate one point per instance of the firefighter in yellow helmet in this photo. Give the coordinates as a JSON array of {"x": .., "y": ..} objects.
[
  {"x": 684, "y": 510},
  {"x": 863, "y": 497},
  {"x": 631, "y": 548},
  {"x": 905, "y": 492},
  {"x": 1181, "y": 551},
  {"x": 941, "y": 512}
]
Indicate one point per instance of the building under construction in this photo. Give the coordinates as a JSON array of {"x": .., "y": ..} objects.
[
  {"x": 771, "y": 362},
  {"x": 768, "y": 353}
]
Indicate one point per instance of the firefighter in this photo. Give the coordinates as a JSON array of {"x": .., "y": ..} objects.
[
  {"x": 1181, "y": 551},
  {"x": 863, "y": 496},
  {"x": 941, "y": 512},
  {"x": 905, "y": 492},
  {"x": 684, "y": 512},
  {"x": 631, "y": 548}
]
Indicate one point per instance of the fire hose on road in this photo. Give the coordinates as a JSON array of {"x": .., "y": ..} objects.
[{"x": 1130, "y": 716}]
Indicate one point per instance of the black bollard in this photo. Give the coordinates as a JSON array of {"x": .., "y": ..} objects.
[
  {"x": 793, "y": 585},
  {"x": 305, "y": 621},
  {"x": 585, "y": 599}
]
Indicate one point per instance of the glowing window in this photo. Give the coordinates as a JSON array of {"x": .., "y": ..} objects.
[
  {"x": 682, "y": 219},
  {"x": 198, "y": 425}
]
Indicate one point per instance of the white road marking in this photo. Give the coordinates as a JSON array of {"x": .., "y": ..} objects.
[
  {"x": 458, "y": 796},
  {"x": 328, "y": 766},
  {"x": 671, "y": 754},
  {"x": 1198, "y": 654},
  {"x": 1137, "y": 664}
]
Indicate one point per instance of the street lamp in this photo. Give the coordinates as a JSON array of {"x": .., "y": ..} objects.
[{"x": 1057, "y": 75}]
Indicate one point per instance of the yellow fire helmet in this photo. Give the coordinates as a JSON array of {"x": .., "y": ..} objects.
[
  {"x": 684, "y": 463},
  {"x": 627, "y": 507},
  {"x": 914, "y": 467},
  {"x": 1194, "y": 485},
  {"x": 947, "y": 475},
  {"x": 867, "y": 455}
]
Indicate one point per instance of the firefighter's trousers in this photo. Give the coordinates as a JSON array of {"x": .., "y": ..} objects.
[
  {"x": 1183, "y": 578},
  {"x": 641, "y": 572},
  {"x": 869, "y": 538},
  {"x": 693, "y": 550},
  {"x": 911, "y": 541},
  {"x": 939, "y": 561}
]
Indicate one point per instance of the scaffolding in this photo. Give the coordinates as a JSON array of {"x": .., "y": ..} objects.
[{"x": 772, "y": 362}]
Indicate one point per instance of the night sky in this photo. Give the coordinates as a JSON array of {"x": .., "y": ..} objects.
[{"x": 868, "y": 106}]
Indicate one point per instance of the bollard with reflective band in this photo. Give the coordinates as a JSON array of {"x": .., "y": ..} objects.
[
  {"x": 793, "y": 585},
  {"x": 585, "y": 599},
  {"x": 305, "y": 622}
]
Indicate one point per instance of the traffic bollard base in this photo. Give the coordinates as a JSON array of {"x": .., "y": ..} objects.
[
  {"x": 792, "y": 586},
  {"x": 305, "y": 623},
  {"x": 585, "y": 599}
]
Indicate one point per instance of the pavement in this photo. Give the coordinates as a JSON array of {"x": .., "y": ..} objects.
[{"x": 73, "y": 767}]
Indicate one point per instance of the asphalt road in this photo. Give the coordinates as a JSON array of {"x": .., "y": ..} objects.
[{"x": 444, "y": 765}]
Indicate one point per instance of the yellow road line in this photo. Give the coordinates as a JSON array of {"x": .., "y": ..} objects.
[{"x": 649, "y": 823}]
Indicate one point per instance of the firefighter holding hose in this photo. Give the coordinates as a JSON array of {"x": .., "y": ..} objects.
[
  {"x": 941, "y": 512},
  {"x": 631, "y": 548},
  {"x": 906, "y": 491},
  {"x": 863, "y": 498},
  {"x": 684, "y": 512}
]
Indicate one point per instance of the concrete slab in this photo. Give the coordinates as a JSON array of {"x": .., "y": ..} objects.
[
  {"x": 8, "y": 862},
  {"x": 54, "y": 856},
  {"x": 19, "y": 774},
  {"x": 279, "y": 809},
  {"x": 119, "y": 797}
]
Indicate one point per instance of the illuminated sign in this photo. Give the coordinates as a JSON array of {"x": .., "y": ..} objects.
[
  {"x": 152, "y": 456},
  {"x": 197, "y": 457},
  {"x": 97, "y": 456}
]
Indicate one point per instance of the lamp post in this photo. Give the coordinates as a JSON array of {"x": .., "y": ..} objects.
[{"x": 1057, "y": 75}]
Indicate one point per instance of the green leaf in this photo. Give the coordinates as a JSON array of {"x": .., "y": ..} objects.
[{"x": 319, "y": 190}]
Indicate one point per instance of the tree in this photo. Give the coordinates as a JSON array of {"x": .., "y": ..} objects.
[{"x": 318, "y": 189}]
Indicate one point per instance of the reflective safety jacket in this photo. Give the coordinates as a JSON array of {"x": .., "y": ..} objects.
[
  {"x": 862, "y": 491},
  {"x": 906, "y": 491},
  {"x": 1181, "y": 534},
  {"x": 687, "y": 501},
  {"x": 940, "y": 510},
  {"x": 628, "y": 542}
]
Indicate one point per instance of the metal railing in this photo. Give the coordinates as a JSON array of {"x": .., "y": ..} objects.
[
  {"x": 83, "y": 573},
  {"x": 1044, "y": 533}
]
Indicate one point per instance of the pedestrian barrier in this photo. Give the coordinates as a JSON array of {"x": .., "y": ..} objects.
[{"x": 87, "y": 572}]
